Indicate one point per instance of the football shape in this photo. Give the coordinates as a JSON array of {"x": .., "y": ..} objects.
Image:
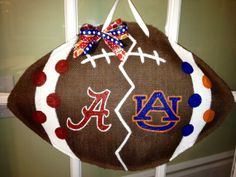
[{"x": 119, "y": 99}]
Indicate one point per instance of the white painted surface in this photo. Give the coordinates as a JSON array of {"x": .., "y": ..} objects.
[
  {"x": 3, "y": 98},
  {"x": 233, "y": 170},
  {"x": 71, "y": 30},
  {"x": 161, "y": 171},
  {"x": 234, "y": 94},
  {"x": 173, "y": 19},
  {"x": 71, "y": 19},
  {"x": 6, "y": 83},
  {"x": 75, "y": 167}
]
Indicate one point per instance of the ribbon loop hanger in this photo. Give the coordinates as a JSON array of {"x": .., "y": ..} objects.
[{"x": 135, "y": 13}]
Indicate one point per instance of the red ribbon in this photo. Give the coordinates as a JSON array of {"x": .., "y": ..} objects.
[{"x": 112, "y": 36}]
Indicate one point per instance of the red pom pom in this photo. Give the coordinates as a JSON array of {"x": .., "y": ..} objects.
[
  {"x": 109, "y": 28},
  {"x": 39, "y": 117},
  {"x": 39, "y": 78},
  {"x": 61, "y": 133},
  {"x": 118, "y": 21},
  {"x": 120, "y": 56},
  {"x": 53, "y": 100},
  {"x": 62, "y": 66}
]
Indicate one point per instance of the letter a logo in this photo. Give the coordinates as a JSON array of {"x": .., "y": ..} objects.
[
  {"x": 96, "y": 110},
  {"x": 157, "y": 102}
]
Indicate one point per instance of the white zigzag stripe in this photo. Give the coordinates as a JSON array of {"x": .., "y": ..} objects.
[{"x": 117, "y": 109}]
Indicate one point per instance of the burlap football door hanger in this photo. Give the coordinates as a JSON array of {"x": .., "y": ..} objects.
[{"x": 121, "y": 96}]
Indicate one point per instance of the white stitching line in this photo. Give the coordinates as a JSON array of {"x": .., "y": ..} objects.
[
  {"x": 91, "y": 59},
  {"x": 158, "y": 60},
  {"x": 106, "y": 56},
  {"x": 140, "y": 53}
]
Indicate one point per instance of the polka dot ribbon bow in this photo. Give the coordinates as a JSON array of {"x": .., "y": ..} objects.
[{"x": 112, "y": 36}]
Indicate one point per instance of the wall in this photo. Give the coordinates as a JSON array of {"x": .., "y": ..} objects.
[{"x": 30, "y": 29}]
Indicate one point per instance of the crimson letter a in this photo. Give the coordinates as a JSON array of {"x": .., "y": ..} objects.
[{"x": 96, "y": 110}]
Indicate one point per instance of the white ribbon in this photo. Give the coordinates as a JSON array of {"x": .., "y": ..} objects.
[{"x": 135, "y": 13}]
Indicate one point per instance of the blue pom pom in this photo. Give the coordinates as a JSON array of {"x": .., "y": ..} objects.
[
  {"x": 195, "y": 100},
  {"x": 187, "y": 68},
  {"x": 187, "y": 130}
]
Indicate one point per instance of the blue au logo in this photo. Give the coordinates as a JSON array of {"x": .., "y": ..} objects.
[{"x": 157, "y": 102}]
